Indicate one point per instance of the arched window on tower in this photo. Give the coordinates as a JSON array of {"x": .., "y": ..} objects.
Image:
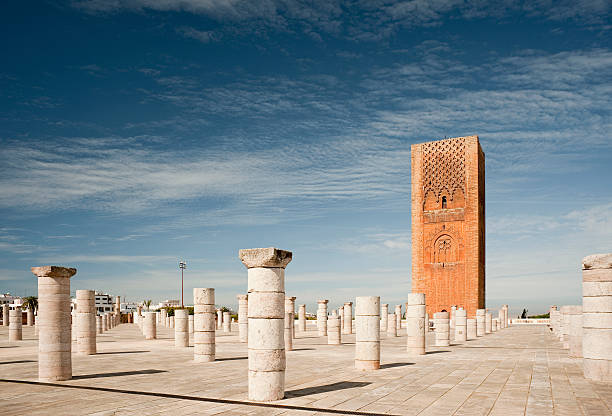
[{"x": 444, "y": 202}]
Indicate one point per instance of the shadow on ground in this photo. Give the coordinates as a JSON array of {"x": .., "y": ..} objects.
[
  {"x": 393, "y": 365},
  {"x": 120, "y": 352},
  {"x": 341, "y": 385},
  {"x": 436, "y": 352},
  {"x": 117, "y": 374},
  {"x": 17, "y": 362}
]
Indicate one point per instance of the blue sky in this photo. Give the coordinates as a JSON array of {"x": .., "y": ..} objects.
[{"x": 136, "y": 133}]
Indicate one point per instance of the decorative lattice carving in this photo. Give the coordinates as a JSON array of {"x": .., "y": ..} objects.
[{"x": 444, "y": 167}]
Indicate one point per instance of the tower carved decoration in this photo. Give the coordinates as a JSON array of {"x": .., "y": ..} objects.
[{"x": 448, "y": 223}]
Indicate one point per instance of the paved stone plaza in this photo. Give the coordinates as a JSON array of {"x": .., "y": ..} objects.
[{"x": 518, "y": 370}]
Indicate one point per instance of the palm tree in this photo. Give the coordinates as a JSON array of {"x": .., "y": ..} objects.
[
  {"x": 147, "y": 303},
  {"x": 30, "y": 302}
]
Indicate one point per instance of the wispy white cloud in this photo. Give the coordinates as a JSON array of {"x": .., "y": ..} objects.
[{"x": 204, "y": 36}]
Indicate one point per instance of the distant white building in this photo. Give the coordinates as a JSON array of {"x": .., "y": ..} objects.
[
  {"x": 128, "y": 307},
  {"x": 12, "y": 301},
  {"x": 104, "y": 303},
  {"x": 168, "y": 303}
]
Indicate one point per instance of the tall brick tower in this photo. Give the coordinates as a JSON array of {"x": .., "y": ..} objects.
[{"x": 448, "y": 223}]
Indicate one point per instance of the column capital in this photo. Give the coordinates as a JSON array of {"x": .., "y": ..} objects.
[
  {"x": 291, "y": 298},
  {"x": 265, "y": 257},
  {"x": 322, "y": 302},
  {"x": 242, "y": 297},
  {"x": 53, "y": 271},
  {"x": 597, "y": 261},
  {"x": 348, "y": 303}
]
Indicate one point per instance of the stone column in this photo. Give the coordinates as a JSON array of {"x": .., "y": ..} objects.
[
  {"x": 190, "y": 318},
  {"x": 348, "y": 318},
  {"x": 597, "y": 317},
  {"x": 30, "y": 317},
  {"x": 104, "y": 323},
  {"x": 451, "y": 322},
  {"x": 367, "y": 327},
  {"x": 290, "y": 307},
  {"x": 494, "y": 325},
  {"x": 441, "y": 327},
  {"x": 15, "y": 324},
  {"x": 471, "y": 328},
  {"x": 391, "y": 325},
  {"x": 204, "y": 324},
  {"x": 341, "y": 314},
  {"x": 139, "y": 310},
  {"x": 398, "y": 317},
  {"x": 219, "y": 318},
  {"x": 5, "y": 315},
  {"x": 480, "y": 322},
  {"x": 181, "y": 328},
  {"x": 500, "y": 318},
  {"x": 575, "y": 331},
  {"x": 99, "y": 328},
  {"x": 243, "y": 317},
  {"x": 288, "y": 332},
  {"x": 415, "y": 324},
  {"x": 302, "y": 318},
  {"x": 158, "y": 321},
  {"x": 506, "y": 309},
  {"x": 426, "y": 325},
  {"x": 86, "y": 322},
  {"x": 73, "y": 324},
  {"x": 565, "y": 325},
  {"x": 54, "y": 340},
  {"x": 322, "y": 318},
  {"x": 460, "y": 325},
  {"x": 149, "y": 327},
  {"x": 384, "y": 316},
  {"x": 488, "y": 322},
  {"x": 266, "y": 288},
  {"x": 334, "y": 336},
  {"x": 226, "y": 322}
]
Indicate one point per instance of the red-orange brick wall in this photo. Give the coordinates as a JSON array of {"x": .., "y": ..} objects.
[{"x": 448, "y": 247}]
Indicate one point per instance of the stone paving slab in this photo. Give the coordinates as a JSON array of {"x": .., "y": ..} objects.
[{"x": 521, "y": 370}]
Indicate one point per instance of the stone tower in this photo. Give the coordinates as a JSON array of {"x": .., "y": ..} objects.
[{"x": 448, "y": 224}]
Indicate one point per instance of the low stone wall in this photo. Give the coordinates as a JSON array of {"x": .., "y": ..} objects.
[{"x": 530, "y": 321}]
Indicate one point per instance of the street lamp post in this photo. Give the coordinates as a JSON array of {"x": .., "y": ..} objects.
[{"x": 182, "y": 266}]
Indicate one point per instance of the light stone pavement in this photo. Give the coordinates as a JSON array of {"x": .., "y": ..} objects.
[{"x": 521, "y": 370}]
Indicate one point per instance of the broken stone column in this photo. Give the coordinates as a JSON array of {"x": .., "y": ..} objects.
[
  {"x": 334, "y": 336},
  {"x": 575, "y": 331},
  {"x": 451, "y": 322},
  {"x": 5, "y": 315},
  {"x": 99, "y": 328},
  {"x": 415, "y": 324},
  {"x": 367, "y": 327},
  {"x": 149, "y": 327},
  {"x": 219, "y": 318},
  {"x": 302, "y": 318},
  {"x": 398, "y": 317},
  {"x": 565, "y": 325},
  {"x": 290, "y": 307},
  {"x": 266, "y": 288},
  {"x": 86, "y": 322},
  {"x": 322, "y": 317},
  {"x": 471, "y": 328},
  {"x": 488, "y": 323},
  {"x": 181, "y": 328},
  {"x": 54, "y": 333},
  {"x": 104, "y": 323},
  {"x": 190, "y": 318},
  {"x": 460, "y": 325},
  {"x": 288, "y": 332},
  {"x": 391, "y": 325},
  {"x": 597, "y": 317},
  {"x": 348, "y": 318},
  {"x": 441, "y": 328},
  {"x": 226, "y": 322},
  {"x": 480, "y": 322},
  {"x": 204, "y": 325},
  {"x": 15, "y": 324},
  {"x": 73, "y": 324},
  {"x": 30, "y": 317},
  {"x": 384, "y": 316},
  {"x": 243, "y": 317},
  {"x": 494, "y": 325}
]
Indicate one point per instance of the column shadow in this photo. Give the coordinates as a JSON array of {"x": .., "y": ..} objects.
[
  {"x": 17, "y": 362},
  {"x": 393, "y": 365},
  {"x": 341, "y": 385},
  {"x": 117, "y": 374},
  {"x": 436, "y": 352},
  {"x": 121, "y": 352}
]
